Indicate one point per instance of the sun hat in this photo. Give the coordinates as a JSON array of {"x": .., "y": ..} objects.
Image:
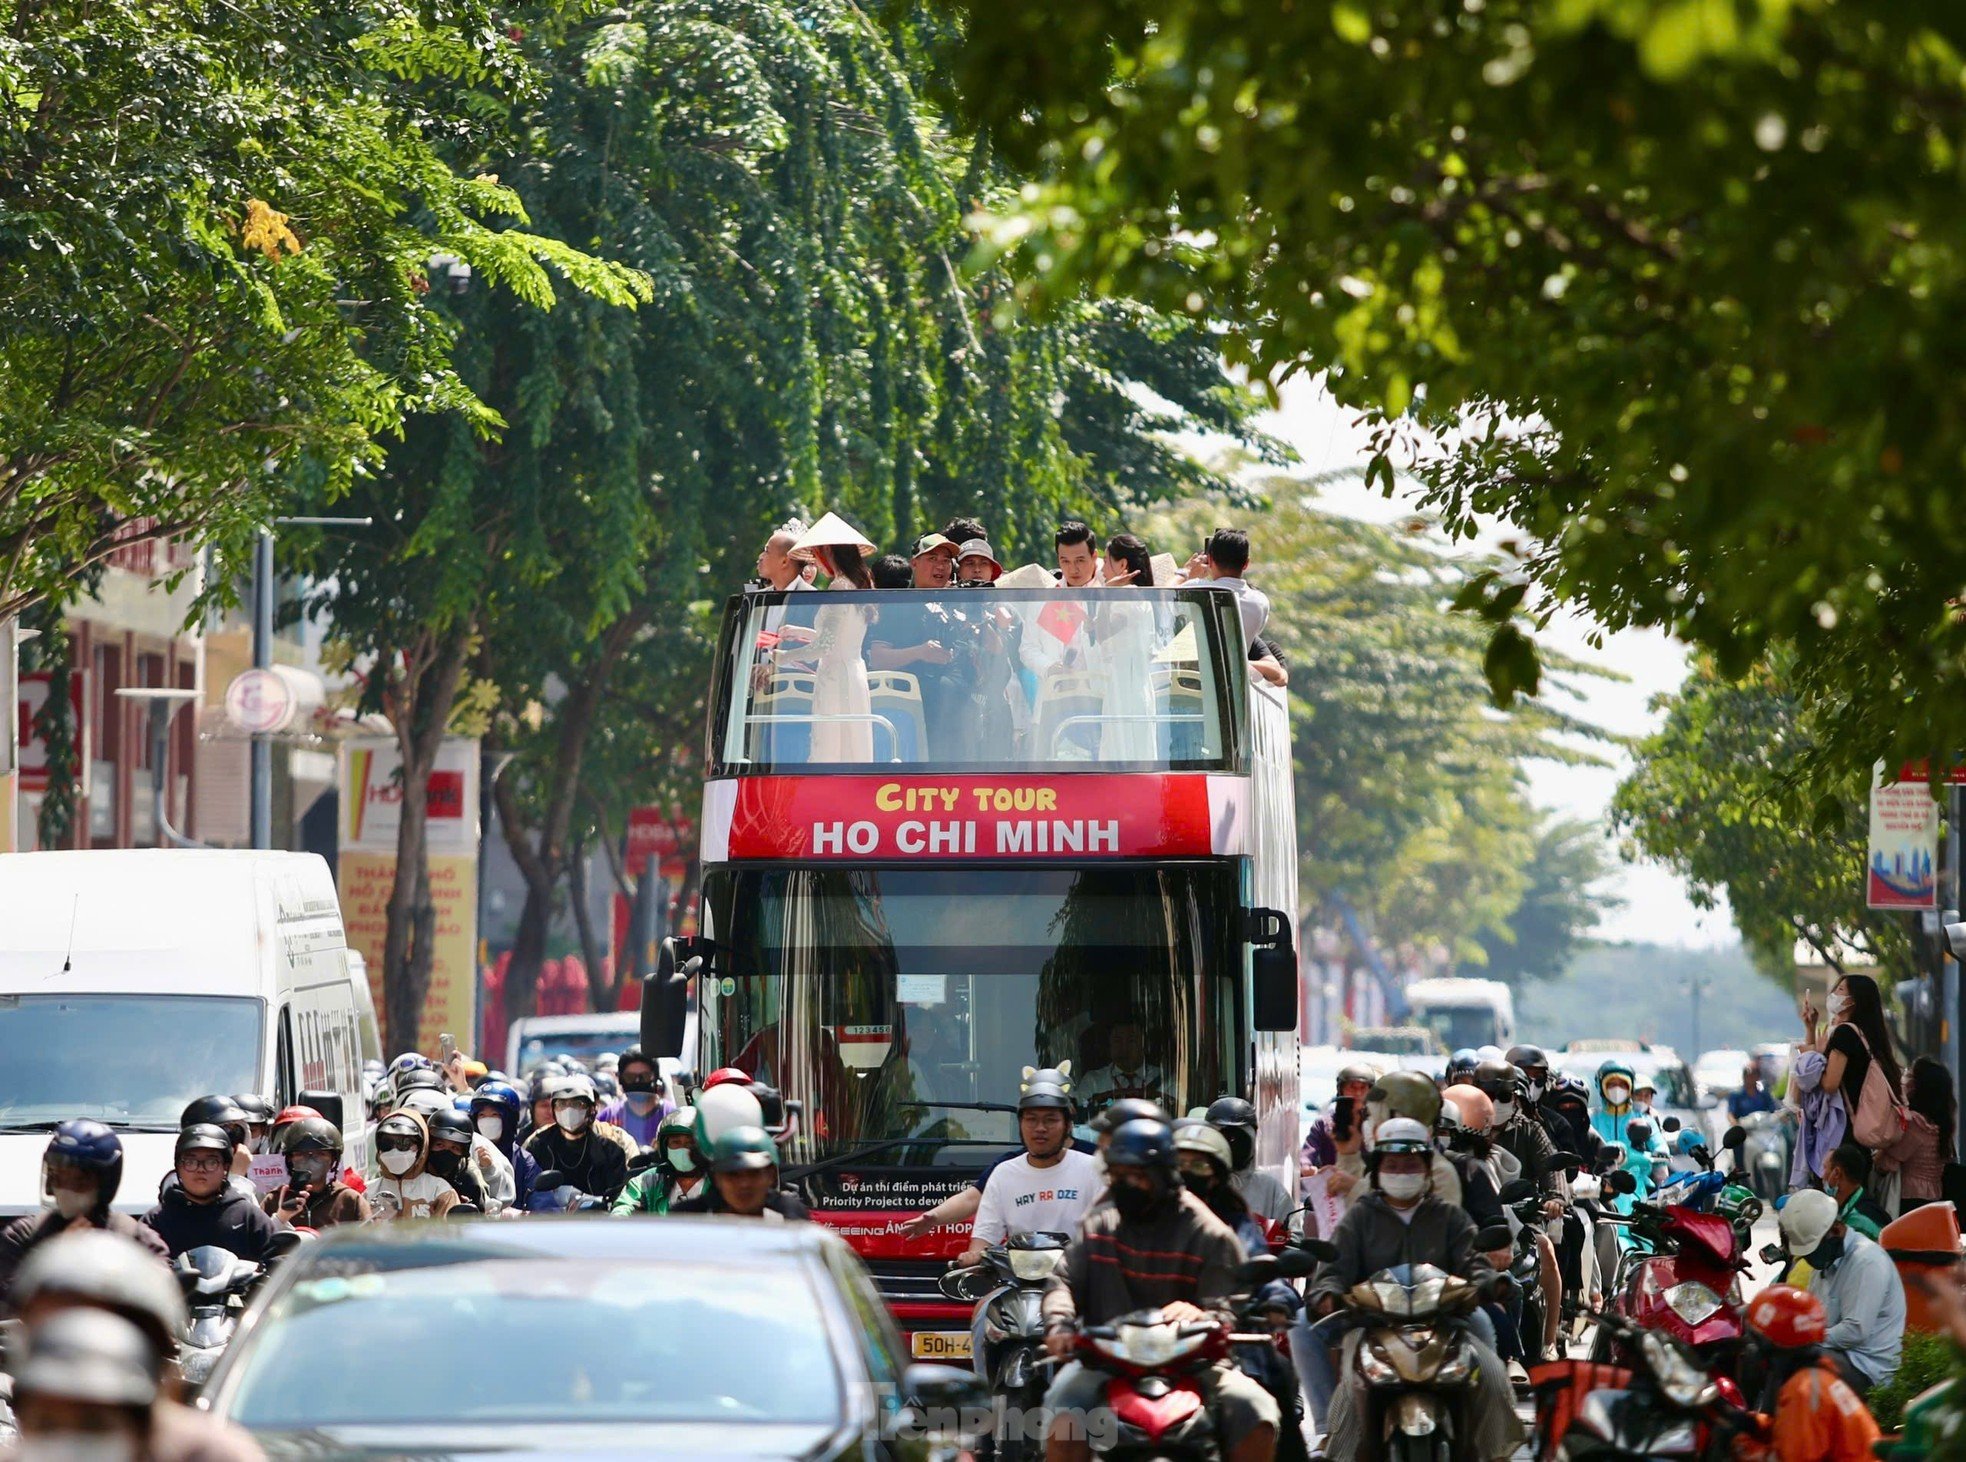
[{"x": 831, "y": 531}]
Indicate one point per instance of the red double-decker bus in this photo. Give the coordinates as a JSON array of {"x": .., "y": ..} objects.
[{"x": 947, "y": 835}]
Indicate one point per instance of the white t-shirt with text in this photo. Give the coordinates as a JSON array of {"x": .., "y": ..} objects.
[{"x": 1021, "y": 1199}]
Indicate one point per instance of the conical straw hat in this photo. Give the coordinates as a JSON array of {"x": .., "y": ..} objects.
[{"x": 829, "y": 532}]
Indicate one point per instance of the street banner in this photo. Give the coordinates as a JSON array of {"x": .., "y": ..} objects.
[
  {"x": 1904, "y": 845},
  {"x": 371, "y": 806}
]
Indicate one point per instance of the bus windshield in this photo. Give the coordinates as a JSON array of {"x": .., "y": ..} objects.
[
  {"x": 982, "y": 679},
  {"x": 903, "y": 1003}
]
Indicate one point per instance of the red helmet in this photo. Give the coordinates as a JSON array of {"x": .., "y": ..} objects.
[
  {"x": 1788, "y": 1317},
  {"x": 293, "y": 1114},
  {"x": 726, "y": 1073}
]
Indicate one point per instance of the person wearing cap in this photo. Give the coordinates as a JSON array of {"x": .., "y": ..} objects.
[
  {"x": 933, "y": 563},
  {"x": 1048, "y": 1187},
  {"x": 203, "y": 1209},
  {"x": 1863, "y": 1297},
  {"x": 102, "y": 1273},
  {"x": 744, "y": 1180},
  {"x": 932, "y": 640},
  {"x": 85, "y": 1385},
  {"x": 1321, "y": 1141},
  {"x": 976, "y": 564}
]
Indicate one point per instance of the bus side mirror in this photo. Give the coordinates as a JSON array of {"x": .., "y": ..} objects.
[
  {"x": 665, "y": 999},
  {"x": 327, "y": 1103},
  {"x": 1275, "y": 989}
]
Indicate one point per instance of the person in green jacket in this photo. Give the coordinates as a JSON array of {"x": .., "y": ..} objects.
[
  {"x": 676, "y": 1174},
  {"x": 1846, "y": 1173}
]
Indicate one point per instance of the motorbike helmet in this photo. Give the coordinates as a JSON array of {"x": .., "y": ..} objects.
[
  {"x": 726, "y": 1073},
  {"x": 1397, "y": 1135},
  {"x": 425, "y": 1102},
  {"x": 89, "y": 1147},
  {"x": 452, "y": 1125},
  {"x": 681, "y": 1122},
  {"x": 1127, "y": 1109},
  {"x": 724, "y": 1108},
  {"x": 1047, "y": 1089},
  {"x": 1193, "y": 1136},
  {"x": 1473, "y": 1111},
  {"x": 1488, "y": 1053},
  {"x": 421, "y": 1078},
  {"x": 1402, "y": 1094},
  {"x": 1142, "y": 1143},
  {"x": 314, "y": 1134},
  {"x": 744, "y": 1149},
  {"x": 1460, "y": 1066},
  {"x": 258, "y": 1109},
  {"x": 1787, "y": 1318},
  {"x": 1806, "y": 1220},
  {"x": 106, "y": 1270},
  {"x": 1501, "y": 1081},
  {"x": 605, "y": 1086},
  {"x": 203, "y": 1137},
  {"x": 498, "y": 1098},
  {"x": 218, "y": 1111},
  {"x": 411, "y": 1061},
  {"x": 289, "y": 1115},
  {"x": 1235, "y": 1119},
  {"x": 90, "y": 1357},
  {"x": 1357, "y": 1073}
]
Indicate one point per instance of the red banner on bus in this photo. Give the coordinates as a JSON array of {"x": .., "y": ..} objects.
[{"x": 826, "y": 817}]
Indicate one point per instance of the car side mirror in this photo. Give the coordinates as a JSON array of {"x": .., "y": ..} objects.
[
  {"x": 1773, "y": 1254},
  {"x": 328, "y": 1104},
  {"x": 967, "y": 1286},
  {"x": 1274, "y": 988},
  {"x": 1256, "y": 1272}
]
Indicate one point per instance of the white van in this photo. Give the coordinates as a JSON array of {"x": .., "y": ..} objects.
[{"x": 132, "y": 981}]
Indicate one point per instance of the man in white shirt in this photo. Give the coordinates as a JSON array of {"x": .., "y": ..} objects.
[
  {"x": 776, "y": 566},
  {"x": 1223, "y": 563},
  {"x": 1052, "y": 1185},
  {"x": 1055, "y": 635}
]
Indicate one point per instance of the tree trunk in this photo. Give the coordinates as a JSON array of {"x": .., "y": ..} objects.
[
  {"x": 420, "y": 707},
  {"x": 592, "y": 952}
]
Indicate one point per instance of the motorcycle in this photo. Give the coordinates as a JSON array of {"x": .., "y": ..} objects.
[
  {"x": 216, "y": 1283},
  {"x": 1664, "y": 1403},
  {"x": 1155, "y": 1367},
  {"x": 1007, "y": 1289},
  {"x": 1524, "y": 1201},
  {"x": 1683, "y": 1281},
  {"x": 1416, "y": 1359},
  {"x": 1765, "y": 1153}
]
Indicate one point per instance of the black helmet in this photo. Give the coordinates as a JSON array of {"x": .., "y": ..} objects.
[
  {"x": 1235, "y": 1119},
  {"x": 1524, "y": 1057},
  {"x": 218, "y": 1111},
  {"x": 452, "y": 1126},
  {"x": 258, "y": 1109},
  {"x": 311, "y": 1134},
  {"x": 418, "y": 1078},
  {"x": 1128, "y": 1109},
  {"x": 203, "y": 1137},
  {"x": 1142, "y": 1143},
  {"x": 92, "y": 1148},
  {"x": 1498, "y": 1080},
  {"x": 1050, "y": 1088}
]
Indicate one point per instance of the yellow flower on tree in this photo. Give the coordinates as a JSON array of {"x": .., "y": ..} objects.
[{"x": 266, "y": 230}]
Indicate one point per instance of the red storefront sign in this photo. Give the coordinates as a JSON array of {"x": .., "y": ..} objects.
[{"x": 824, "y": 817}]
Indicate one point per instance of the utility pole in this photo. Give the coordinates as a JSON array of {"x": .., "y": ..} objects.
[{"x": 1696, "y": 986}]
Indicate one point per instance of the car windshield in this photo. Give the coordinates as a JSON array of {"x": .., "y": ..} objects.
[
  {"x": 128, "y": 1060},
  {"x": 892, "y": 1002},
  {"x": 588, "y": 1342},
  {"x": 1460, "y": 1027},
  {"x": 583, "y": 1046},
  {"x": 976, "y": 679}
]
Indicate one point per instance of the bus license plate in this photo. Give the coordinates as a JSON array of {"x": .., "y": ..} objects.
[{"x": 940, "y": 1344}]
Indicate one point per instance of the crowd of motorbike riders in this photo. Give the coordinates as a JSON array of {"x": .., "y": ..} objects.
[{"x": 1480, "y": 1221}]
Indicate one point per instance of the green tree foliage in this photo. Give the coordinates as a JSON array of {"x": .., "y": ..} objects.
[
  {"x": 1411, "y": 799},
  {"x": 1720, "y": 794},
  {"x": 811, "y": 344},
  {"x": 1672, "y": 285},
  {"x": 1560, "y": 907},
  {"x": 214, "y": 228}
]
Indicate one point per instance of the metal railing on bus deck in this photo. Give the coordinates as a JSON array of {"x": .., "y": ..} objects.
[{"x": 831, "y": 718}]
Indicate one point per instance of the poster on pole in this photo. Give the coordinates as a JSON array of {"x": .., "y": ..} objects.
[
  {"x": 1904, "y": 845},
  {"x": 371, "y": 803}
]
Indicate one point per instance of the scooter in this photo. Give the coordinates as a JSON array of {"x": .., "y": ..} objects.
[
  {"x": 1417, "y": 1361},
  {"x": 1524, "y": 1201},
  {"x": 1007, "y": 1289},
  {"x": 216, "y": 1283},
  {"x": 1664, "y": 1403},
  {"x": 1766, "y": 1153},
  {"x": 1686, "y": 1286}
]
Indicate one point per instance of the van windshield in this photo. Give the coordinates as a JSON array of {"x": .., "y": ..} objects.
[{"x": 131, "y": 1061}]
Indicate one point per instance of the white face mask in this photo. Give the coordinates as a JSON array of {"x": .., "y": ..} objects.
[
  {"x": 396, "y": 1162},
  {"x": 1839, "y": 1003},
  {"x": 1535, "y": 1091},
  {"x": 73, "y": 1205},
  {"x": 1504, "y": 1113},
  {"x": 493, "y": 1128},
  {"x": 1402, "y": 1186},
  {"x": 1617, "y": 1093},
  {"x": 572, "y": 1117}
]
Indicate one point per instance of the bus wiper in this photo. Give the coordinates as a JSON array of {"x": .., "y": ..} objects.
[{"x": 963, "y": 1106}]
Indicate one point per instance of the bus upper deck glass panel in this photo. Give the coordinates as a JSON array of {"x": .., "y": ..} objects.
[{"x": 981, "y": 680}]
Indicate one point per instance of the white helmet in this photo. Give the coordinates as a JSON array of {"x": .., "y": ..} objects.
[
  {"x": 1401, "y": 1134},
  {"x": 1805, "y": 1219},
  {"x": 426, "y": 1102}
]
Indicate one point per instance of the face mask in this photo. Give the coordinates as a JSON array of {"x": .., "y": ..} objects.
[
  {"x": 1402, "y": 1186},
  {"x": 1827, "y": 1252},
  {"x": 572, "y": 1117},
  {"x": 396, "y": 1162},
  {"x": 1135, "y": 1203},
  {"x": 73, "y": 1205},
  {"x": 1504, "y": 1113},
  {"x": 641, "y": 1099},
  {"x": 75, "y": 1447},
  {"x": 1617, "y": 1093},
  {"x": 1199, "y": 1184},
  {"x": 1839, "y": 1004},
  {"x": 442, "y": 1163},
  {"x": 1536, "y": 1090},
  {"x": 682, "y": 1159},
  {"x": 491, "y": 1128},
  {"x": 309, "y": 1174}
]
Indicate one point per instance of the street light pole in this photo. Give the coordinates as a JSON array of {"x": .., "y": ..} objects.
[{"x": 263, "y": 591}]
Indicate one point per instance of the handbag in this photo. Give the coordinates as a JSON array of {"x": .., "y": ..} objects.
[{"x": 1877, "y": 1118}]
